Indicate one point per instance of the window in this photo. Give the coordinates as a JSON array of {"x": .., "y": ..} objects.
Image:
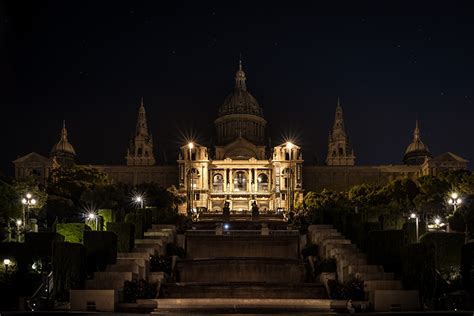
[
  {"x": 240, "y": 181},
  {"x": 218, "y": 183},
  {"x": 262, "y": 181},
  {"x": 197, "y": 196},
  {"x": 283, "y": 196}
]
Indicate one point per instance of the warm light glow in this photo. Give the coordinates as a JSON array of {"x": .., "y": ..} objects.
[
  {"x": 91, "y": 216},
  {"x": 454, "y": 195},
  {"x": 28, "y": 195},
  {"x": 24, "y": 201},
  {"x": 458, "y": 201},
  {"x": 34, "y": 266},
  {"x": 190, "y": 145},
  {"x": 18, "y": 222},
  {"x": 6, "y": 262},
  {"x": 289, "y": 145},
  {"x": 412, "y": 215},
  {"x": 33, "y": 202},
  {"x": 138, "y": 199},
  {"x": 437, "y": 221},
  {"x": 451, "y": 201}
]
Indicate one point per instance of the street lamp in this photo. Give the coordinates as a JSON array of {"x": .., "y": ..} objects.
[
  {"x": 455, "y": 201},
  {"x": 289, "y": 147},
  {"x": 139, "y": 200},
  {"x": 415, "y": 217},
  {"x": 6, "y": 263},
  {"x": 92, "y": 216},
  {"x": 28, "y": 201},
  {"x": 191, "y": 174}
]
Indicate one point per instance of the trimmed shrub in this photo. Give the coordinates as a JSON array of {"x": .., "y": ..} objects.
[
  {"x": 385, "y": 247},
  {"x": 41, "y": 244},
  {"x": 101, "y": 250},
  {"x": 448, "y": 248},
  {"x": 164, "y": 216},
  {"x": 147, "y": 216},
  {"x": 141, "y": 289},
  {"x": 137, "y": 221},
  {"x": 125, "y": 235},
  {"x": 72, "y": 232},
  {"x": 107, "y": 215},
  {"x": 467, "y": 265},
  {"x": 362, "y": 234},
  {"x": 69, "y": 268},
  {"x": 409, "y": 229},
  {"x": 418, "y": 269}
]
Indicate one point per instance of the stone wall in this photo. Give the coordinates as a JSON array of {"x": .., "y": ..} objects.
[
  {"x": 241, "y": 270},
  {"x": 163, "y": 175},
  {"x": 342, "y": 178},
  {"x": 242, "y": 246}
]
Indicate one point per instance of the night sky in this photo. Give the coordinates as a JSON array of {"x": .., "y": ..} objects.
[{"x": 90, "y": 62}]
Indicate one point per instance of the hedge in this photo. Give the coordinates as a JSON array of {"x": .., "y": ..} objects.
[
  {"x": 137, "y": 221},
  {"x": 467, "y": 265},
  {"x": 69, "y": 267},
  {"x": 41, "y": 244},
  {"x": 410, "y": 230},
  {"x": 448, "y": 248},
  {"x": 147, "y": 216},
  {"x": 101, "y": 250},
  {"x": 125, "y": 234},
  {"x": 385, "y": 247},
  {"x": 72, "y": 232},
  {"x": 164, "y": 216},
  {"x": 418, "y": 269}
]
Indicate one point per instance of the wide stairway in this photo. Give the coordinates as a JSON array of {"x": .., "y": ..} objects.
[{"x": 241, "y": 267}]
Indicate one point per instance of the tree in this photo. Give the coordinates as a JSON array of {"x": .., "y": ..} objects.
[{"x": 10, "y": 206}]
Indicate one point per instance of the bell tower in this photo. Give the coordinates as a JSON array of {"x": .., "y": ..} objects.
[
  {"x": 140, "y": 151},
  {"x": 340, "y": 152}
]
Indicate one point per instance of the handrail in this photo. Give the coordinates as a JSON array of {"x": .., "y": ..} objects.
[{"x": 43, "y": 291}]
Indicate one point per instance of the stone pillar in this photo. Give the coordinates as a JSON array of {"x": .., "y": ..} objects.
[
  {"x": 256, "y": 180},
  {"x": 231, "y": 180},
  {"x": 249, "y": 183},
  {"x": 225, "y": 179}
]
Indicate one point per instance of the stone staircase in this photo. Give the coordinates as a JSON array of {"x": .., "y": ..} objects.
[
  {"x": 103, "y": 291},
  {"x": 383, "y": 292}
]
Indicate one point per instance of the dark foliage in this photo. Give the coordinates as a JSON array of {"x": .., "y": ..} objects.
[
  {"x": 138, "y": 223},
  {"x": 326, "y": 265},
  {"x": 101, "y": 250},
  {"x": 69, "y": 268},
  {"x": 140, "y": 289},
  {"x": 310, "y": 250},
  {"x": 467, "y": 266},
  {"x": 160, "y": 263},
  {"x": 125, "y": 235},
  {"x": 448, "y": 247},
  {"x": 353, "y": 290},
  {"x": 385, "y": 247},
  {"x": 173, "y": 250}
]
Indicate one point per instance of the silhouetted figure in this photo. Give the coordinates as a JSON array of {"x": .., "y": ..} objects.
[
  {"x": 226, "y": 212},
  {"x": 255, "y": 212}
]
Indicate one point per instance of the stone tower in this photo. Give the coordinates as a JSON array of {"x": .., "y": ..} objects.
[
  {"x": 416, "y": 152},
  {"x": 63, "y": 153},
  {"x": 140, "y": 151},
  {"x": 340, "y": 152}
]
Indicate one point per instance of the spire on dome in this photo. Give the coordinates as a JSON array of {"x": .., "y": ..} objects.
[
  {"x": 417, "y": 151},
  {"x": 240, "y": 78},
  {"x": 63, "y": 151},
  {"x": 140, "y": 151}
]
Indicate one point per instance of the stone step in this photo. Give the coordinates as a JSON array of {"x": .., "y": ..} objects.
[
  {"x": 366, "y": 268},
  {"x": 374, "y": 276},
  {"x": 207, "y": 305},
  {"x": 150, "y": 251},
  {"x": 109, "y": 280},
  {"x": 243, "y": 290},
  {"x": 140, "y": 255},
  {"x": 138, "y": 261},
  {"x": 382, "y": 285},
  {"x": 149, "y": 241}
]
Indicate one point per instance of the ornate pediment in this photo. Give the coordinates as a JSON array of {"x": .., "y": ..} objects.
[{"x": 32, "y": 159}]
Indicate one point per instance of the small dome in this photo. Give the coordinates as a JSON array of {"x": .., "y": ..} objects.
[
  {"x": 417, "y": 151},
  {"x": 63, "y": 146}
]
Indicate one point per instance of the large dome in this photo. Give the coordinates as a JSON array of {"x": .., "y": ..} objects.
[
  {"x": 240, "y": 101},
  {"x": 63, "y": 146}
]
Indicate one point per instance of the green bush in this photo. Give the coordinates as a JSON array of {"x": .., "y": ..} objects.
[
  {"x": 101, "y": 250},
  {"x": 418, "y": 269},
  {"x": 448, "y": 248},
  {"x": 137, "y": 221},
  {"x": 72, "y": 232},
  {"x": 69, "y": 268},
  {"x": 141, "y": 289},
  {"x": 107, "y": 216},
  {"x": 385, "y": 247},
  {"x": 125, "y": 234}
]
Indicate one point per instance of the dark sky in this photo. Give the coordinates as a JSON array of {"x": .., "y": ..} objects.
[{"x": 89, "y": 62}]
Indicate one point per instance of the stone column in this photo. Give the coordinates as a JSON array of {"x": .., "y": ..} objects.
[
  {"x": 255, "y": 185},
  {"x": 231, "y": 180},
  {"x": 249, "y": 183},
  {"x": 225, "y": 179}
]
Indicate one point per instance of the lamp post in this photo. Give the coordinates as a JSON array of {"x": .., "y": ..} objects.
[
  {"x": 27, "y": 201},
  {"x": 455, "y": 201},
  {"x": 191, "y": 175},
  {"x": 18, "y": 225},
  {"x": 6, "y": 263},
  {"x": 289, "y": 147},
  {"x": 92, "y": 216},
  {"x": 139, "y": 200},
  {"x": 415, "y": 217}
]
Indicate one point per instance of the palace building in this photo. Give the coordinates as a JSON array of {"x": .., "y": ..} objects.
[{"x": 240, "y": 169}]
